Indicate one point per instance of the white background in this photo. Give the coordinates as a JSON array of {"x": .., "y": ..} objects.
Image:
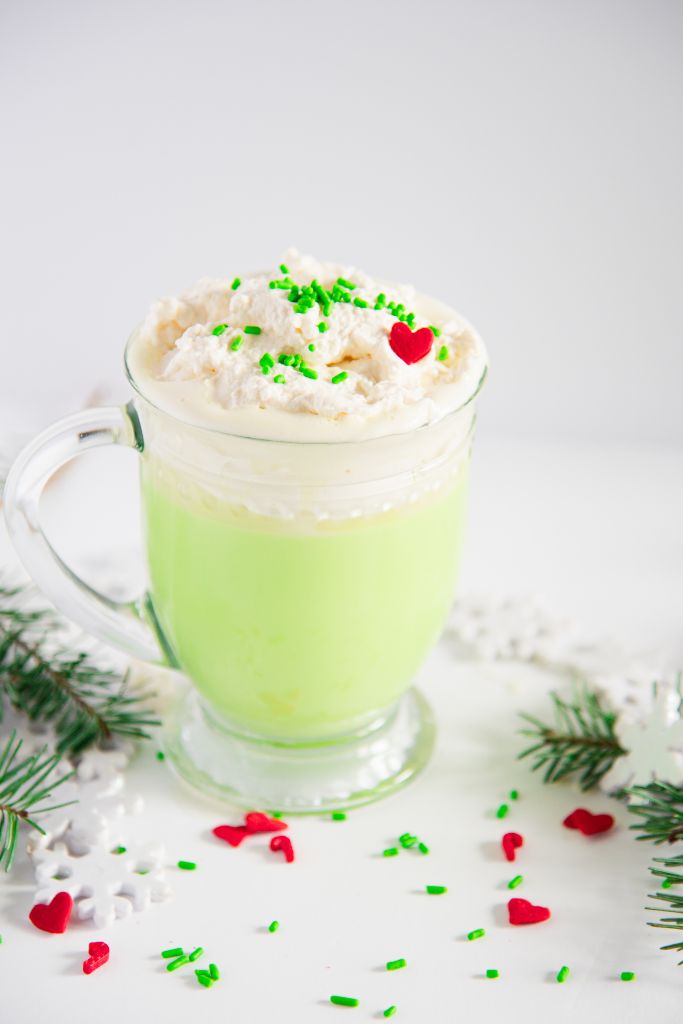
[{"x": 519, "y": 159}]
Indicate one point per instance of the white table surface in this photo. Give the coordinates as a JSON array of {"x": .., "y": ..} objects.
[{"x": 597, "y": 532}]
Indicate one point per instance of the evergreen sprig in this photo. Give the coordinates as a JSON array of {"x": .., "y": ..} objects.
[
  {"x": 49, "y": 682},
  {"x": 580, "y": 742},
  {"x": 26, "y": 787}
]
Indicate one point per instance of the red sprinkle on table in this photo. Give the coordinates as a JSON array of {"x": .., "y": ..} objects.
[
  {"x": 53, "y": 916},
  {"x": 233, "y": 834},
  {"x": 283, "y": 844},
  {"x": 255, "y": 821},
  {"x": 410, "y": 346},
  {"x": 522, "y": 912},
  {"x": 511, "y": 842},
  {"x": 587, "y": 823},
  {"x": 99, "y": 954}
]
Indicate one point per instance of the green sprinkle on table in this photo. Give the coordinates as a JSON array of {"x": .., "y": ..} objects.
[
  {"x": 492, "y": 973},
  {"x": 514, "y": 882},
  {"x": 436, "y": 890},
  {"x": 343, "y": 1000},
  {"x": 180, "y": 962},
  {"x": 423, "y": 848},
  {"x": 339, "y": 377},
  {"x": 514, "y": 794},
  {"x": 176, "y": 951},
  {"x": 195, "y": 954},
  {"x": 338, "y": 816},
  {"x": 391, "y": 851},
  {"x": 119, "y": 849},
  {"x": 220, "y": 329},
  {"x": 236, "y": 283},
  {"x": 396, "y": 965},
  {"x": 390, "y": 1011},
  {"x": 204, "y": 980},
  {"x": 273, "y": 926},
  {"x": 502, "y": 811},
  {"x": 187, "y": 865},
  {"x": 161, "y": 756},
  {"x": 628, "y": 976},
  {"x": 236, "y": 342},
  {"x": 478, "y": 933},
  {"x": 214, "y": 972},
  {"x": 284, "y": 269},
  {"x": 407, "y": 840},
  {"x": 562, "y": 974},
  {"x": 252, "y": 329}
]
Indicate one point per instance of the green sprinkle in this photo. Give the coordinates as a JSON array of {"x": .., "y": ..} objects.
[
  {"x": 514, "y": 794},
  {"x": 322, "y": 327},
  {"x": 214, "y": 972},
  {"x": 203, "y": 980},
  {"x": 396, "y": 965},
  {"x": 285, "y": 359},
  {"x": 338, "y": 816},
  {"x": 119, "y": 849},
  {"x": 390, "y": 1011},
  {"x": 284, "y": 269},
  {"x": 380, "y": 301},
  {"x": 180, "y": 962},
  {"x": 275, "y": 814},
  {"x": 236, "y": 283},
  {"x": 236, "y": 342},
  {"x": 273, "y": 926},
  {"x": 502, "y": 811},
  {"x": 391, "y": 851},
  {"x": 203, "y": 974},
  {"x": 161, "y": 756},
  {"x": 187, "y": 865},
  {"x": 435, "y": 331},
  {"x": 492, "y": 973},
  {"x": 343, "y": 1001},
  {"x": 195, "y": 954},
  {"x": 514, "y": 882},
  {"x": 410, "y": 320},
  {"x": 361, "y": 303},
  {"x": 628, "y": 976},
  {"x": 562, "y": 974},
  {"x": 345, "y": 284},
  {"x": 478, "y": 933},
  {"x": 443, "y": 353},
  {"x": 294, "y": 294},
  {"x": 308, "y": 372},
  {"x": 407, "y": 840},
  {"x": 339, "y": 377},
  {"x": 436, "y": 890},
  {"x": 279, "y": 379},
  {"x": 667, "y": 883},
  {"x": 311, "y": 347},
  {"x": 219, "y": 329},
  {"x": 423, "y": 848},
  {"x": 266, "y": 362},
  {"x": 176, "y": 951},
  {"x": 252, "y": 329}
]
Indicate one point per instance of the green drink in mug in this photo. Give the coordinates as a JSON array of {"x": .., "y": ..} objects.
[{"x": 304, "y": 438}]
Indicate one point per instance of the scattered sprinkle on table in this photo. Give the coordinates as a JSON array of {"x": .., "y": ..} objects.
[
  {"x": 176, "y": 951},
  {"x": 339, "y": 377},
  {"x": 396, "y": 965},
  {"x": 204, "y": 979},
  {"x": 236, "y": 283},
  {"x": 502, "y": 811},
  {"x": 492, "y": 973},
  {"x": 195, "y": 954},
  {"x": 236, "y": 342},
  {"x": 423, "y": 848},
  {"x": 514, "y": 882},
  {"x": 161, "y": 756},
  {"x": 389, "y": 1012},
  {"x": 514, "y": 794},
  {"x": 391, "y": 851},
  {"x": 338, "y": 816},
  {"x": 407, "y": 840},
  {"x": 343, "y": 1000},
  {"x": 478, "y": 933},
  {"x": 284, "y": 269},
  {"x": 436, "y": 890},
  {"x": 187, "y": 865},
  {"x": 628, "y": 976},
  {"x": 175, "y": 964},
  {"x": 252, "y": 329},
  {"x": 667, "y": 883},
  {"x": 219, "y": 329},
  {"x": 273, "y": 926},
  {"x": 214, "y": 972},
  {"x": 563, "y": 974},
  {"x": 119, "y": 849}
]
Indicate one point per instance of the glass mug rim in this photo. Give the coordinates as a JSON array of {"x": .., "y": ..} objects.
[{"x": 351, "y": 442}]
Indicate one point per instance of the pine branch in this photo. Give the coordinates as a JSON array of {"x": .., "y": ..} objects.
[
  {"x": 581, "y": 742},
  {"x": 24, "y": 786},
  {"x": 50, "y": 683}
]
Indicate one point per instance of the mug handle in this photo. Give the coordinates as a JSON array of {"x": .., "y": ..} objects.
[{"x": 130, "y": 626}]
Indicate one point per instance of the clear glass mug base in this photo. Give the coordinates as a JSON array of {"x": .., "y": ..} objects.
[{"x": 299, "y": 779}]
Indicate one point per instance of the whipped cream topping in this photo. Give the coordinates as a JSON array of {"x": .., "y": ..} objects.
[{"x": 249, "y": 357}]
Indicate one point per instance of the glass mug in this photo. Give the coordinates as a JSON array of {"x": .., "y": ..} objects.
[{"x": 298, "y": 586}]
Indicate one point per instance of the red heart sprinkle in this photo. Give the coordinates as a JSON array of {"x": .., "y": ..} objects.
[
  {"x": 53, "y": 916},
  {"x": 410, "y": 346},
  {"x": 283, "y": 843},
  {"x": 510, "y": 842},
  {"x": 233, "y": 834},
  {"x": 587, "y": 823},
  {"x": 257, "y": 822},
  {"x": 99, "y": 954},
  {"x": 522, "y": 912}
]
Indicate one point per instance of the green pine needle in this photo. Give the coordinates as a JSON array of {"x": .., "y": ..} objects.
[
  {"x": 48, "y": 682},
  {"x": 25, "y": 786},
  {"x": 581, "y": 742}
]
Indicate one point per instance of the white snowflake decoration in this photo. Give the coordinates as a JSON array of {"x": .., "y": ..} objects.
[
  {"x": 104, "y": 884},
  {"x": 91, "y": 819},
  {"x": 104, "y": 765},
  {"x": 654, "y": 745}
]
